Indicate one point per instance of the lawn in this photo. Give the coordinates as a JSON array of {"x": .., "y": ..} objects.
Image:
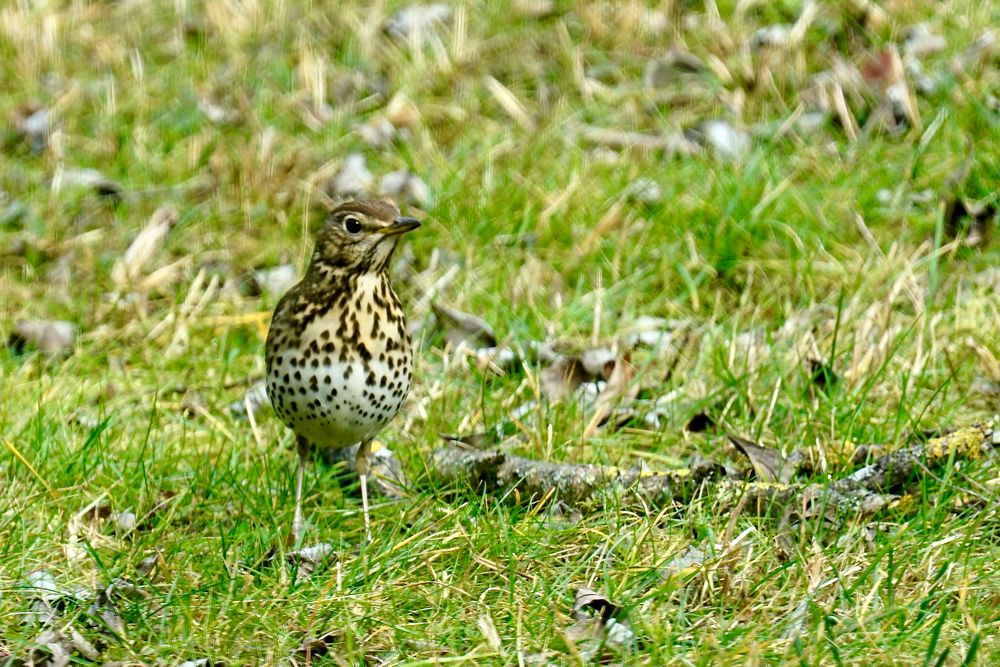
[{"x": 774, "y": 221}]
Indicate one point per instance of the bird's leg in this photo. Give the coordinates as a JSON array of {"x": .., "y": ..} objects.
[
  {"x": 361, "y": 465},
  {"x": 298, "y": 525}
]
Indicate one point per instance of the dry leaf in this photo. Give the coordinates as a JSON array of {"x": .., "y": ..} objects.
[
  {"x": 671, "y": 144},
  {"x": 402, "y": 112},
  {"x": 686, "y": 561},
  {"x": 672, "y": 67},
  {"x": 598, "y": 623},
  {"x": 976, "y": 221},
  {"x": 559, "y": 511},
  {"x": 619, "y": 386},
  {"x": 147, "y": 565},
  {"x": 87, "y": 178},
  {"x": 49, "y": 337},
  {"x": 128, "y": 269},
  {"x": 462, "y": 327},
  {"x": 308, "y": 559},
  {"x": 312, "y": 647},
  {"x": 489, "y": 630},
  {"x": 51, "y": 648},
  {"x": 46, "y": 596},
  {"x": 32, "y": 121},
  {"x": 567, "y": 373},
  {"x": 385, "y": 472},
  {"x": 768, "y": 465},
  {"x": 255, "y": 398}
]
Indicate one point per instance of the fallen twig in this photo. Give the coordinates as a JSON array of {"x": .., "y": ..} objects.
[{"x": 861, "y": 492}]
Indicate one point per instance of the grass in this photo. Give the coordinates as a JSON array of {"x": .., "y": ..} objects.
[{"x": 811, "y": 247}]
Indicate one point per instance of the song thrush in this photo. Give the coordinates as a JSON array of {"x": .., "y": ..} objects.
[{"x": 338, "y": 353}]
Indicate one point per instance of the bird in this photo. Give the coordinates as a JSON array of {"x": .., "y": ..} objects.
[{"x": 338, "y": 355}]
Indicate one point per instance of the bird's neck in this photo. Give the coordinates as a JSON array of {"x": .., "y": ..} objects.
[{"x": 325, "y": 276}]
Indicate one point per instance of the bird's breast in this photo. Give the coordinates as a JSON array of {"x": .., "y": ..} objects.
[{"x": 346, "y": 372}]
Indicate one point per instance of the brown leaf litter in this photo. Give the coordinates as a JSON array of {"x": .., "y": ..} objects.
[
  {"x": 50, "y": 604},
  {"x": 127, "y": 270},
  {"x": 463, "y": 328},
  {"x": 598, "y": 624},
  {"x": 86, "y": 178},
  {"x": 49, "y": 337},
  {"x": 619, "y": 386},
  {"x": 769, "y": 465},
  {"x": 32, "y": 121},
  {"x": 566, "y": 373}
]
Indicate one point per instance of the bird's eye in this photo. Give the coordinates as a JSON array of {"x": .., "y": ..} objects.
[{"x": 352, "y": 225}]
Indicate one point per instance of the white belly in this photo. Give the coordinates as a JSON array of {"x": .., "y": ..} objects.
[{"x": 340, "y": 404}]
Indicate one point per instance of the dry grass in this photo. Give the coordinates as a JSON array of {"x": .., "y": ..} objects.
[{"x": 530, "y": 124}]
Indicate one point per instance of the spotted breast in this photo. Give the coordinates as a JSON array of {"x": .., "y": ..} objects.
[{"x": 339, "y": 368}]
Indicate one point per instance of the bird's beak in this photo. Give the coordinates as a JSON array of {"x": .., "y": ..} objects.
[{"x": 400, "y": 225}]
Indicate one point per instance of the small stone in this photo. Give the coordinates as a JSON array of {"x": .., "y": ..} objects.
[
  {"x": 13, "y": 215},
  {"x": 353, "y": 179},
  {"x": 378, "y": 133},
  {"x": 402, "y": 112},
  {"x": 418, "y": 21},
  {"x": 770, "y": 37},
  {"x": 810, "y": 123},
  {"x": 255, "y": 398},
  {"x": 920, "y": 41},
  {"x": 275, "y": 279},
  {"x": 126, "y": 520},
  {"x": 87, "y": 178},
  {"x": 49, "y": 337},
  {"x": 653, "y": 22},
  {"x": 535, "y": 9},
  {"x": 645, "y": 191},
  {"x": 405, "y": 186},
  {"x": 727, "y": 141},
  {"x": 33, "y": 122},
  {"x": 663, "y": 71}
]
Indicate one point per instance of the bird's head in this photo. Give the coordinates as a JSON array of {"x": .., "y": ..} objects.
[{"x": 359, "y": 236}]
